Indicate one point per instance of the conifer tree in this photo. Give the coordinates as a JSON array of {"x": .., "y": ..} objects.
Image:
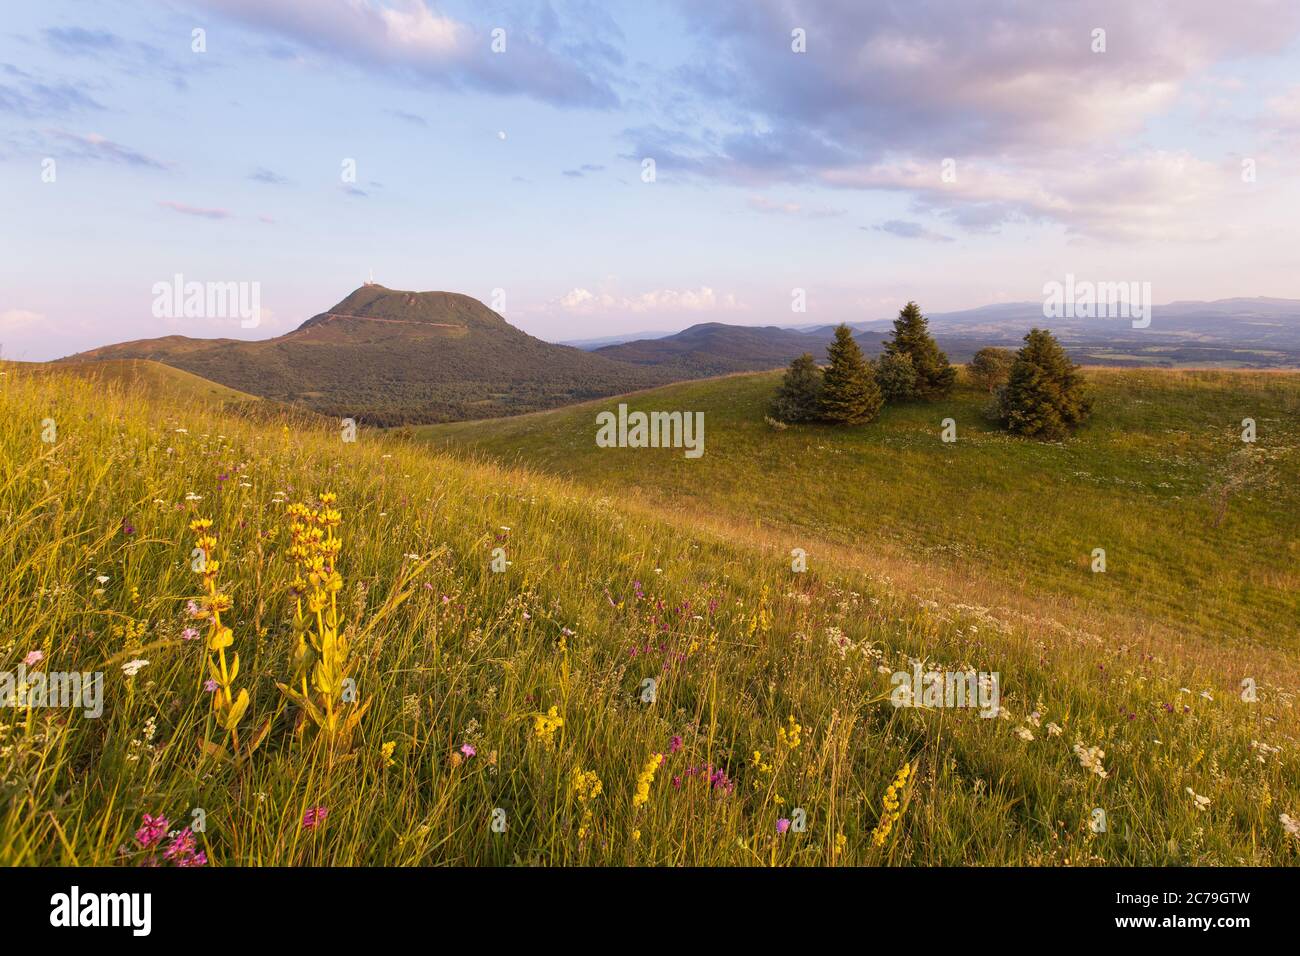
[
  {"x": 797, "y": 398},
  {"x": 896, "y": 377},
  {"x": 850, "y": 395},
  {"x": 934, "y": 375},
  {"x": 990, "y": 367},
  {"x": 1044, "y": 396}
]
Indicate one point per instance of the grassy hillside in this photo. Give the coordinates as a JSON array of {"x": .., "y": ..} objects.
[
  {"x": 508, "y": 695},
  {"x": 1201, "y": 532},
  {"x": 140, "y": 377}
]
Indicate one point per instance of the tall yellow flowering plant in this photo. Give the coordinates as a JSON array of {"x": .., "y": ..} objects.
[
  {"x": 228, "y": 707},
  {"x": 321, "y": 685}
]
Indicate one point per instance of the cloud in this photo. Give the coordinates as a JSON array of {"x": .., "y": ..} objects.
[
  {"x": 194, "y": 210},
  {"x": 1147, "y": 195},
  {"x": 131, "y": 57},
  {"x": 703, "y": 299},
  {"x": 583, "y": 170},
  {"x": 263, "y": 175},
  {"x": 15, "y": 319},
  {"x": 1008, "y": 87},
  {"x": 909, "y": 230},
  {"x": 765, "y": 205},
  {"x": 409, "y": 40},
  {"x": 78, "y": 40},
  {"x": 23, "y": 94},
  {"x": 406, "y": 117},
  {"x": 94, "y": 146},
  {"x": 962, "y": 79}
]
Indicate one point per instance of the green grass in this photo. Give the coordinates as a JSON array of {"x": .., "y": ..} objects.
[
  {"x": 447, "y": 652},
  {"x": 1139, "y": 482}
]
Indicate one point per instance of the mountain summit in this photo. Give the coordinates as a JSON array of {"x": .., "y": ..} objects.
[{"x": 449, "y": 310}]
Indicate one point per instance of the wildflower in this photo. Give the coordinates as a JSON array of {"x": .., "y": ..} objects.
[
  {"x": 322, "y": 649},
  {"x": 1024, "y": 733},
  {"x": 1053, "y": 730},
  {"x": 586, "y": 788},
  {"x": 152, "y": 829},
  {"x": 468, "y": 750},
  {"x": 190, "y": 634},
  {"x": 386, "y": 751},
  {"x": 182, "y": 846},
  {"x": 645, "y": 779},
  {"x": 210, "y": 686},
  {"x": 1090, "y": 758},
  {"x": 893, "y": 808},
  {"x": 34, "y": 657},
  {"x": 1290, "y": 824},
  {"x": 788, "y": 736},
  {"x": 314, "y": 817},
  {"x": 131, "y": 668},
  {"x": 840, "y": 841},
  {"x": 545, "y": 725},
  {"x": 1200, "y": 801},
  {"x": 228, "y": 707},
  {"x": 675, "y": 744}
]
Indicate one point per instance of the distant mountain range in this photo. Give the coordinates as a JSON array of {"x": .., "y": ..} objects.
[
  {"x": 390, "y": 357},
  {"x": 1247, "y": 333}
]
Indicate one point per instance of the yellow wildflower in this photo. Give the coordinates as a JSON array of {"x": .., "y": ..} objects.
[
  {"x": 545, "y": 725},
  {"x": 645, "y": 778},
  {"x": 586, "y": 788},
  {"x": 788, "y": 736},
  {"x": 893, "y": 806}
]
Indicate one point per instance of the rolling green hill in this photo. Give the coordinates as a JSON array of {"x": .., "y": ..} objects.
[
  {"x": 141, "y": 377},
  {"x": 1201, "y": 532},
  {"x": 389, "y": 357},
  {"x": 522, "y": 691}
]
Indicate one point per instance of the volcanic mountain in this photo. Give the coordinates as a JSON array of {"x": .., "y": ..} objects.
[{"x": 388, "y": 357}]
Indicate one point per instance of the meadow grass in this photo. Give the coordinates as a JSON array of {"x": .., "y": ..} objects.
[
  {"x": 1201, "y": 531},
  {"x": 516, "y": 691}
]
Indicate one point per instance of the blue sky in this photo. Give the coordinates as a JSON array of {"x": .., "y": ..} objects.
[{"x": 775, "y": 170}]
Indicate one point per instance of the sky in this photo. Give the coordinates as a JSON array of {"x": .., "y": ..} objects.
[{"x": 842, "y": 155}]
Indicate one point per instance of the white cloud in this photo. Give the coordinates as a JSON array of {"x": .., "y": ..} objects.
[
  {"x": 1148, "y": 195},
  {"x": 15, "y": 319},
  {"x": 703, "y": 299}
]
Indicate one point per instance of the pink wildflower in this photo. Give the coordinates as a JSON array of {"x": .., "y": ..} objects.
[
  {"x": 152, "y": 829},
  {"x": 313, "y": 817}
]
